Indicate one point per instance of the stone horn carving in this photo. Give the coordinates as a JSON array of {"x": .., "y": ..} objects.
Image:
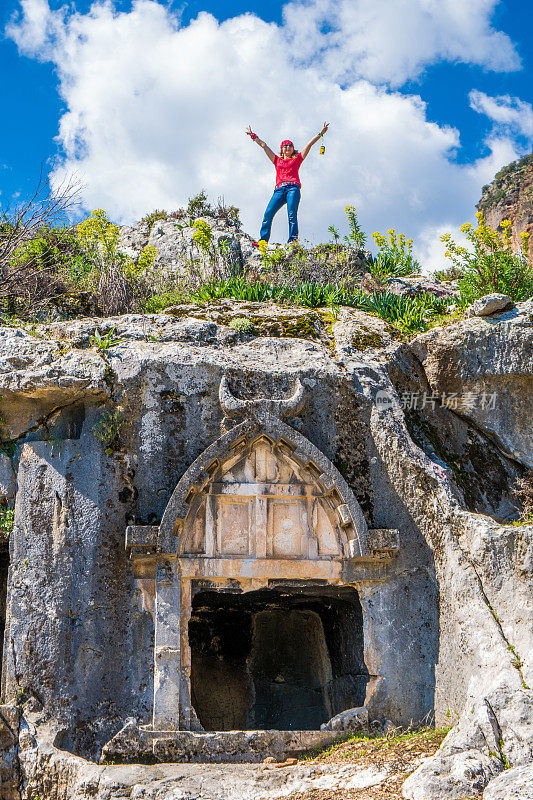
[{"x": 235, "y": 407}]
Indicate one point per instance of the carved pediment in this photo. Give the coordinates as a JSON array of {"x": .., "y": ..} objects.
[
  {"x": 260, "y": 502},
  {"x": 308, "y": 507}
]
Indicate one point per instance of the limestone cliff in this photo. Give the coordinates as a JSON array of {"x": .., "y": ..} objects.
[
  {"x": 510, "y": 196},
  {"x": 412, "y": 449}
]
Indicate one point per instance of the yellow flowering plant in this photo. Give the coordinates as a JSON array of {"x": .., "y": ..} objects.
[
  {"x": 204, "y": 239},
  {"x": 117, "y": 279},
  {"x": 356, "y": 236},
  {"x": 144, "y": 262},
  {"x": 395, "y": 255},
  {"x": 99, "y": 237},
  {"x": 489, "y": 264},
  {"x": 271, "y": 258},
  {"x": 202, "y": 235}
]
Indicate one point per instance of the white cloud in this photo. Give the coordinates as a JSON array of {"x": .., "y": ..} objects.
[
  {"x": 392, "y": 41},
  {"x": 155, "y": 112},
  {"x": 36, "y": 28},
  {"x": 507, "y": 112}
]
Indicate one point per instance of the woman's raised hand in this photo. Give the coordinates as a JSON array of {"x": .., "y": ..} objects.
[
  {"x": 325, "y": 128},
  {"x": 249, "y": 132}
]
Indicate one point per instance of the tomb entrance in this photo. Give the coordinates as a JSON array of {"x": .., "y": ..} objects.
[{"x": 258, "y": 623}]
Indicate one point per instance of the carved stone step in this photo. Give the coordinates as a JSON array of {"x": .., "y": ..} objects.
[{"x": 135, "y": 744}]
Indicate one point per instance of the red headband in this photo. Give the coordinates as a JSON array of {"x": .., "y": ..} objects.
[{"x": 286, "y": 141}]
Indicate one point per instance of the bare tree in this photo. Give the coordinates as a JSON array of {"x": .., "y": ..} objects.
[{"x": 18, "y": 226}]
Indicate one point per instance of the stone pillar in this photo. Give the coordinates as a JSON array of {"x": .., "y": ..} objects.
[
  {"x": 185, "y": 685},
  {"x": 167, "y": 661}
]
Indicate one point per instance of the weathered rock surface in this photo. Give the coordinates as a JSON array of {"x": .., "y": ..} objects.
[
  {"x": 513, "y": 784},
  {"x": 489, "y": 304},
  {"x": 357, "y": 334},
  {"x": 485, "y": 367},
  {"x": 9, "y": 765},
  {"x": 418, "y": 284},
  {"x": 448, "y": 625},
  {"x": 7, "y": 478}
]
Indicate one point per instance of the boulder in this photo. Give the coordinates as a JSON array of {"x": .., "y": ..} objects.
[
  {"x": 354, "y": 719},
  {"x": 419, "y": 284},
  {"x": 451, "y": 777},
  {"x": 489, "y": 304},
  {"x": 495, "y": 733},
  {"x": 512, "y": 784},
  {"x": 178, "y": 254}
]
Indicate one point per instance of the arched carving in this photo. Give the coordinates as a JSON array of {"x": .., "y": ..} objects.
[{"x": 263, "y": 477}]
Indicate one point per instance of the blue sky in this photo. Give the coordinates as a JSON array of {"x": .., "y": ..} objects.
[
  {"x": 152, "y": 102},
  {"x": 30, "y": 91}
]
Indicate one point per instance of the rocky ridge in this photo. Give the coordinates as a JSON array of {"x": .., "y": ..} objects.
[{"x": 510, "y": 196}]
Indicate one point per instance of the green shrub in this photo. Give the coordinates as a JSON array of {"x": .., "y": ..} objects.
[
  {"x": 229, "y": 213},
  {"x": 52, "y": 249},
  {"x": 490, "y": 265},
  {"x": 199, "y": 206},
  {"x": 154, "y": 216},
  {"x": 109, "y": 428},
  {"x": 158, "y": 302},
  {"x": 514, "y": 166},
  {"x": 452, "y": 273},
  {"x": 7, "y": 519},
  {"x": 242, "y": 324}
]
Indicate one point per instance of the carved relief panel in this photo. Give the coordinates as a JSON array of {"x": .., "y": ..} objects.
[{"x": 262, "y": 504}]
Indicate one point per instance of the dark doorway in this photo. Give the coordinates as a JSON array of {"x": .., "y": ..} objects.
[{"x": 286, "y": 658}]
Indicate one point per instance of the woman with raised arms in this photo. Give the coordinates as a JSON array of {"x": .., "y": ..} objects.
[{"x": 288, "y": 187}]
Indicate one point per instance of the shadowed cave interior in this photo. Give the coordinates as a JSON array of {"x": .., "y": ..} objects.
[{"x": 283, "y": 658}]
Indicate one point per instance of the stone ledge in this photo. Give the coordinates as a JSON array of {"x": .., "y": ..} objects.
[
  {"x": 133, "y": 744},
  {"x": 141, "y": 537},
  {"x": 383, "y": 542}
]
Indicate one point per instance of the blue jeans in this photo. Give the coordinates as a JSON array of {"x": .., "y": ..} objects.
[{"x": 290, "y": 194}]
